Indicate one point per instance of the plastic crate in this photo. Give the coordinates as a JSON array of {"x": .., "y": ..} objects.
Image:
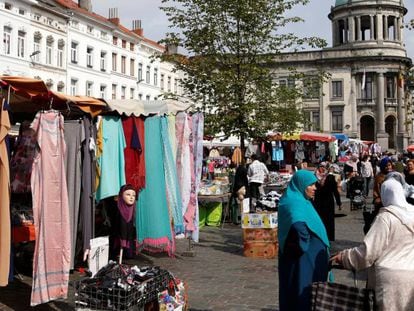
[{"x": 110, "y": 291}]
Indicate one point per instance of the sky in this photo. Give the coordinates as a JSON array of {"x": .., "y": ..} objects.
[{"x": 155, "y": 23}]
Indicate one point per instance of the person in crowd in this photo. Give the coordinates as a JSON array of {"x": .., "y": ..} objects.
[
  {"x": 409, "y": 172},
  {"x": 257, "y": 172},
  {"x": 367, "y": 172},
  {"x": 123, "y": 224},
  {"x": 388, "y": 248},
  {"x": 303, "y": 243},
  {"x": 241, "y": 182},
  {"x": 386, "y": 166},
  {"x": 325, "y": 197},
  {"x": 351, "y": 166}
]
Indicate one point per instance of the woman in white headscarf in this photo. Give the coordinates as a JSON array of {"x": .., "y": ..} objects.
[{"x": 388, "y": 247}]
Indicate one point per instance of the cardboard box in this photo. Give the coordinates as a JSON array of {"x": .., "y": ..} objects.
[
  {"x": 265, "y": 250},
  {"x": 259, "y": 220},
  {"x": 260, "y": 235}
]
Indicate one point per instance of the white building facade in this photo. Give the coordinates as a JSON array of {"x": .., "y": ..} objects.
[{"x": 77, "y": 52}]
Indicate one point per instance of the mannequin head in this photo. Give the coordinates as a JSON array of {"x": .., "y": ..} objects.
[{"x": 128, "y": 194}]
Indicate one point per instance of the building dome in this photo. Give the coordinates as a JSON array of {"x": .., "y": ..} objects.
[{"x": 340, "y": 2}]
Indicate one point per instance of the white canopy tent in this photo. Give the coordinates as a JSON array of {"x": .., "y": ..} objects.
[{"x": 141, "y": 107}]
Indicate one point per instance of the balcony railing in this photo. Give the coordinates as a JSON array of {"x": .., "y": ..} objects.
[
  {"x": 391, "y": 102},
  {"x": 365, "y": 102}
]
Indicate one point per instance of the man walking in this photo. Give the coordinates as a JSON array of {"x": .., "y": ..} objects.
[{"x": 257, "y": 172}]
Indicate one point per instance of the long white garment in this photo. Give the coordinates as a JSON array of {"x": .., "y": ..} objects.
[{"x": 388, "y": 246}]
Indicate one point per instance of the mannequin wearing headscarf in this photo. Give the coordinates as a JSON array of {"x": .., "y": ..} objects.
[
  {"x": 389, "y": 249},
  {"x": 123, "y": 230},
  {"x": 303, "y": 244}
]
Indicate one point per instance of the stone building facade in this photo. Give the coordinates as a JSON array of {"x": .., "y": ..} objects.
[{"x": 364, "y": 95}]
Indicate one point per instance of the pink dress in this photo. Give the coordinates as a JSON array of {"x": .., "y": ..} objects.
[{"x": 51, "y": 261}]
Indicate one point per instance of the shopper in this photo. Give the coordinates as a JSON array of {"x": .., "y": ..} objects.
[
  {"x": 303, "y": 244},
  {"x": 409, "y": 173},
  {"x": 325, "y": 197},
  {"x": 257, "y": 173},
  {"x": 388, "y": 248},
  {"x": 367, "y": 173},
  {"x": 123, "y": 224}
]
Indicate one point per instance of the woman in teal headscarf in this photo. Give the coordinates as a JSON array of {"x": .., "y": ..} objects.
[{"x": 303, "y": 244}]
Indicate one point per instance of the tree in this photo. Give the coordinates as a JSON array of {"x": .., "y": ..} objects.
[{"x": 230, "y": 65}]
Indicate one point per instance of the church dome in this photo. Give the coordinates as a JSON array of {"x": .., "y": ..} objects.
[{"x": 340, "y": 2}]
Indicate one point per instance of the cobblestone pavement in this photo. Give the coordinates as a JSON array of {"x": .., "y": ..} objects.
[{"x": 219, "y": 277}]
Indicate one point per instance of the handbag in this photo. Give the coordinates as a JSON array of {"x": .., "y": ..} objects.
[{"x": 327, "y": 296}]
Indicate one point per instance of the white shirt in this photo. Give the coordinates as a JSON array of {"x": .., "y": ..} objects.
[{"x": 257, "y": 172}]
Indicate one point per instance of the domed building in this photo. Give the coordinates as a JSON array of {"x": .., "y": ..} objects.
[{"x": 364, "y": 95}]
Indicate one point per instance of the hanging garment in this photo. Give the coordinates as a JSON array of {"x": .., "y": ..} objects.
[
  {"x": 171, "y": 133},
  {"x": 134, "y": 154},
  {"x": 87, "y": 201},
  {"x": 183, "y": 157},
  {"x": 22, "y": 160},
  {"x": 198, "y": 133},
  {"x": 99, "y": 150},
  {"x": 4, "y": 198},
  {"x": 237, "y": 156},
  {"x": 51, "y": 260},
  {"x": 74, "y": 136},
  {"x": 112, "y": 161},
  {"x": 189, "y": 214},
  {"x": 153, "y": 220},
  {"x": 171, "y": 179}
]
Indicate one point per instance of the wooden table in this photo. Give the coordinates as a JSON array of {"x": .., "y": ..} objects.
[{"x": 221, "y": 198}]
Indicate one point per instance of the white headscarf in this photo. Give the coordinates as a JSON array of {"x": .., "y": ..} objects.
[{"x": 393, "y": 199}]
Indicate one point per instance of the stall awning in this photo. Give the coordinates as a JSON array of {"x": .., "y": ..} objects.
[
  {"x": 283, "y": 136},
  {"x": 140, "y": 107},
  {"x": 309, "y": 136},
  {"x": 340, "y": 136}
]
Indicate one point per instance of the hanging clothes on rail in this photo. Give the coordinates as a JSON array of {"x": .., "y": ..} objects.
[
  {"x": 112, "y": 160},
  {"x": 5, "y": 198},
  {"x": 153, "y": 221},
  {"x": 51, "y": 260},
  {"x": 74, "y": 137}
]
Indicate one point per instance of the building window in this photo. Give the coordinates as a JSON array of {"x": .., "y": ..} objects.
[
  {"x": 74, "y": 52},
  {"x": 113, "y": 91},
  {"x": 114, "y": 40},
  {"x": 147, "y": 74},
  {"x": 311, "y": 88},
  {"x": 155, "y": 76},
  {"x": 49, "y": 50},
  {"x": 103, "y": 61},
  {"x": 131, "y": 93},
  {"x": 131, "y": 46},
  {"x": 61, "y": 46},
  {"x": 102, "y": 91},
  {"x": 123, "y": 92},
  {"x": 123, "y": 44},
  {"x": 123, "y": 64},
  {"x": 60, "y": 87},
  {"x": 7, "y": 40},
  {"x": 175, "y": 86},
  {"x": 89, "y": 57},
  {"x": 162, "y": 82},
  {"x": 89, "y": 87},
  {"x": 73, "y": 87},
  {"x": 337, "y": 125},
  {"x": 132, "y": 67},
  {"x": 7, "y": 6},
  {"x": 21, "y": 11},
  {"x": 169, "y": 84},
  {"x": 36, "y": 17},
  {"x": 287, "y": 82},
  {"x": 103, "y": 35},
  {"x": 391, "y": 86},
  {"x": 139, "y": 72},
  {"x": 89, "y": 29},
  {"x": 114, "y": 59},
  {"x": 366, "y": 88},
  {"x": 21, "y": 39},
  {"x": 36, "y": 46},
  {"x": 337, "y": 90},
  {"x": 140, "y": 96},
  {"x": 147, "y": 97}
]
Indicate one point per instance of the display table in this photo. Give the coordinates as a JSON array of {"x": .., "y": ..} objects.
[{"x": 220, "y": 198}]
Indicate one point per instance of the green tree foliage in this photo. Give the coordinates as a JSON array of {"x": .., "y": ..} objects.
[{"x": 230, "y": 65}]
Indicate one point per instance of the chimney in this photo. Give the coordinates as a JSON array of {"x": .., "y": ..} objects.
[
  {"x": 113, "y": 16},
  {"x": 86, "y": 5},
  {"x": 137, "y": 28}
]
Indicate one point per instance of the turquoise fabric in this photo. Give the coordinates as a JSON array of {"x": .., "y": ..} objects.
[
  {"x": 152, "y": 217},
  {"x": 295, "y": 207},
  {"x": 112, "y": 161}
]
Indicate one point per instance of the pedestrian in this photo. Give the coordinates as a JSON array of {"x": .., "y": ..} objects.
[
  {"x": 257, "y": 173},
  {"x": 409, "y": 173},
  {"x": 325, "y": 197},
  {"x": 367, "y": 173},
  {"x": 303, "y": 244},
  {"x": 388, "y": 248}
]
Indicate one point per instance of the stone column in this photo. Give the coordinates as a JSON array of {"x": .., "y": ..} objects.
[
  {"x": 346, "y": 34},
  {"x": 385, "y": 27},
  {"x": 395, "y": 23},
  {"x": 351, "y": 22},
  {"x": 400, "y": 30},
  {"x": 380, "y": 28},
  {"x": 402, "y": 135},
  {"x": 334, "y": 33},
  {"x": 371, "y": 27},
  {"x": 382, "y": 136},
  {"x": 353, "y": 104},
  {"x": 358, "y": 28}
]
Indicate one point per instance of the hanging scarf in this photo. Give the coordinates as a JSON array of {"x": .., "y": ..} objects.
[
  {"x": 295, "y": 207},
  {"x": 126, "y": 211}
]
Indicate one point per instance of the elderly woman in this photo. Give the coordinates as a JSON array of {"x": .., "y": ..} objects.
[
  {"x": 303, "y": 244},
  {"x": 388, "y": 247}
]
